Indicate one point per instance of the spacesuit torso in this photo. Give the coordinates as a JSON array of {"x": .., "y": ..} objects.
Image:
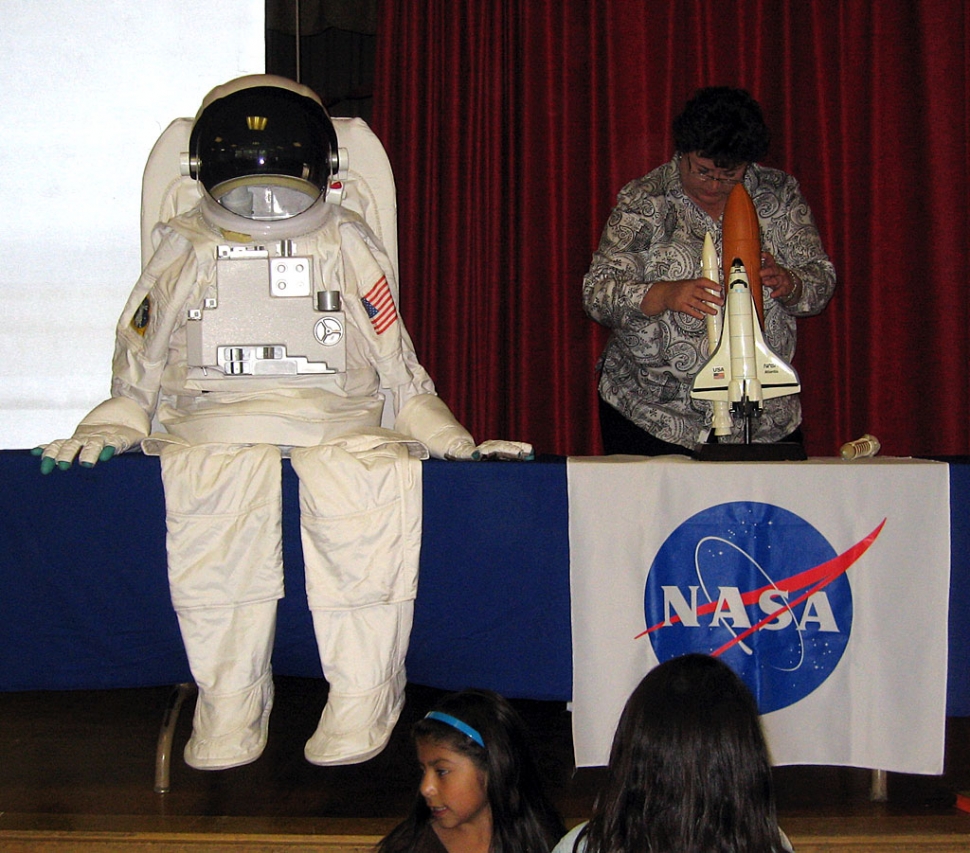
[{"x": 284, "y": 342}]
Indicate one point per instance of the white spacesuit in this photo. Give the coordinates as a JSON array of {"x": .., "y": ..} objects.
[{"x": 264, "y": 325}]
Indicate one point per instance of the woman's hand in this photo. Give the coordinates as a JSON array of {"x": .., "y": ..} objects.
[
  {"x": 696, "y": 297},
  {"x": 783, "y": 284}
]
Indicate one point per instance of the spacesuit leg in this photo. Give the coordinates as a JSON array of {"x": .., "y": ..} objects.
[
  {"x": 361, "y": 530},
  {"x": 223, "y": 514}
]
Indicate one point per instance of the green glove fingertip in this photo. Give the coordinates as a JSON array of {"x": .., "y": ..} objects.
[
  {"x": 46, "y": 465},
  {"x": 64, "y": 466},
  {"x": 106, "y": 454}
]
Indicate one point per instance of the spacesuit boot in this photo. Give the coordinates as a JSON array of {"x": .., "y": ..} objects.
[
  {"x": 363, "y": 653},
  {"x": 235, "y": 681},
  {"x": 360, "y": 516}
]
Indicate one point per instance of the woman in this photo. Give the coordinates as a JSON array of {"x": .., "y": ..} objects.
[{"x": 644, "y": 282}]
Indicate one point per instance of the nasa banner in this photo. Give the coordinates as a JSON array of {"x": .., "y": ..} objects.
[{"x": 823, "y": 584}]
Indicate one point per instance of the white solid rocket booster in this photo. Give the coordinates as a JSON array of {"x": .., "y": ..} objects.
[{"x": 721, "y": 420}]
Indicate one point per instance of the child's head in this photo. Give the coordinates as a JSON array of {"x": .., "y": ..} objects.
[
  {"x": 689, "y": 767},
  {"x": 482, "y": 728},
  {"x": 454, "y": 773}
]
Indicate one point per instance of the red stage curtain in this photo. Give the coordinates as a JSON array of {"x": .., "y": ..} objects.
[{"x": 512, "y": 124}]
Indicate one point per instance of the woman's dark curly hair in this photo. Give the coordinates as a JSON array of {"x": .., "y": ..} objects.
[{"x": 723, "y": 124}]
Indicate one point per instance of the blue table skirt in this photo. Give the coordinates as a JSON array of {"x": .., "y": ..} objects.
[{"x": 84, "y": 600}]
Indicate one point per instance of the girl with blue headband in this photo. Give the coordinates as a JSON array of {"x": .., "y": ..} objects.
[{"x": 480, "y": 789}]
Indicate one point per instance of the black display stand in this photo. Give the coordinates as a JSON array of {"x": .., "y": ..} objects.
[{"x": 779, "y": 451}]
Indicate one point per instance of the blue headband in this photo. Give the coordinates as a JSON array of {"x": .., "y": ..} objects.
[{"x": 455, "y": 723}]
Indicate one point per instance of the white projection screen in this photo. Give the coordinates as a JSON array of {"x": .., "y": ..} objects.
[{"x": 88, "y": 85}]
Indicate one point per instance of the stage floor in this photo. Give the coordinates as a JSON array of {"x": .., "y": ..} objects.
[{"x": 85, "y": 761}]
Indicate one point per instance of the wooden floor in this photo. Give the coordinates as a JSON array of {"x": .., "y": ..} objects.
[{"x": 77, "y": 772}]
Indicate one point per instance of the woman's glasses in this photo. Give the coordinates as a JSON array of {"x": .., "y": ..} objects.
[{"x": 707, "y": 176}]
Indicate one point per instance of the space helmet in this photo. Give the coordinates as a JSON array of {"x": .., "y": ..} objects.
[{"x": 263, "y": 147}]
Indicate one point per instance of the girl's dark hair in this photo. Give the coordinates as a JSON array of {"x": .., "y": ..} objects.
[
  {"x": 523, "y": 817},
  {"x": 724, "y": 125},
  {"x": 689, "y": 768}
]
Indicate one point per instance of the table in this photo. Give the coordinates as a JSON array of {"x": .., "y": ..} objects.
[{"x": 85, "y": 602}]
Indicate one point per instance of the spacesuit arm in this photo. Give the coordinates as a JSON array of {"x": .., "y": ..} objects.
[
  {"x": 110, "y": 427},
  {"x": 427, "y": 418},
  {"x": 141, "y": 349},
  {"x": 420, "y": 413}
]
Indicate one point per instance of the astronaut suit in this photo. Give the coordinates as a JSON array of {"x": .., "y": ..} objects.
[{"x": 263, "y": 326}]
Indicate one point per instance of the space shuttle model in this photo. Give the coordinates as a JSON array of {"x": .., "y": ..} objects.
[{"x": 742, "y": 371}]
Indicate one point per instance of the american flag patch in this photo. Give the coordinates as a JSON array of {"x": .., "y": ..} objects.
[{"x": 379, "y": 305}]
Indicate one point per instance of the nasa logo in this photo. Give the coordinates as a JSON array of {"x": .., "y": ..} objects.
[{"x": 760, "y": 587}]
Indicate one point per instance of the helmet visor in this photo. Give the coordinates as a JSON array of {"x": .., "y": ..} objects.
[{"x": 263, "y": 152}]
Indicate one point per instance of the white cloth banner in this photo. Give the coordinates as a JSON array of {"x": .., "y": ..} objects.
[{"x": 823, "y": 583}]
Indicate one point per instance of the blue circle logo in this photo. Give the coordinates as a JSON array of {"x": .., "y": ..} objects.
[{"x": 759, "y": 587}]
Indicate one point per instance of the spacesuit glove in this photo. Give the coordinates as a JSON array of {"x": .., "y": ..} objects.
[
  {"x": 498, "y": 448},
  {"x": 492, "y": 449},
  {"x": 110, "y": 427}
]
